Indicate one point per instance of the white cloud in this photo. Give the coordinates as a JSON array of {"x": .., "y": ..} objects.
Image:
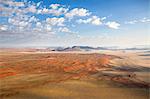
[
  {"x": 22, "y": 24},
  {"x": 77, "y": 12},
  {"x": 54, "y": 6},
  {"x": 45, "y": 10},
  {"x": 96, "y": 20},
  {"x": 38, "y": 4},
  {"x": 48, "y": 27},
  {"x": 23, "y": 17},
  {"x": 131, "y": 22},
  {"x": 55, "y": 9},
  {"x": 43, "y": 28},
  {"x": 5, "y": 11},
  {"x": 32, "y": 9},
  {"x": 93, "y": 20},
  {"x": 66, "y": 30},
  {"x": 12, "y": 3},
  {"x": 63, "y": 29},
  {"x": 113, "y": 25},
  {"x": 19, "y": 20},
  {"x": 39, "y": 11},
  {"x": 55, "y": 21},
  {"x": 84, "y": 21},
  {"x": 38, "y": 27},
  {"x": 103, "y": 18},
  {"x": 33, "y": 19},
  {"x": 54, "y": 12},
  {"x": 38, "y": 24},
  {"x": 143, "y": 20},
  {"x": 3, "y": 27},
  {"x": 58, "y": 12}
]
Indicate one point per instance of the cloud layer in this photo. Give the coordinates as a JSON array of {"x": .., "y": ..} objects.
[
  {"x": 143, "y": 20},
  {"x": 25, "y": 17}
]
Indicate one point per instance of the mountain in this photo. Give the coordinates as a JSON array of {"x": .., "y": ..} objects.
[{"x": 79, "y": 48}]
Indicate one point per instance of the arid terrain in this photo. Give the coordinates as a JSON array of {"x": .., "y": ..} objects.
[{"x": 74, "y": 75}]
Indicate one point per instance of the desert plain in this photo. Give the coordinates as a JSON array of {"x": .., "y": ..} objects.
[{"x": 103, "y": 74}]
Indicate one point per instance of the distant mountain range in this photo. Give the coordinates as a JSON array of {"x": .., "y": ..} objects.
[
  {"x": 75, "y": 48},
  {"x": 89, "y": 48},
  {"x": 137, "y": 48},
  {"x": 78, "y": 48}
]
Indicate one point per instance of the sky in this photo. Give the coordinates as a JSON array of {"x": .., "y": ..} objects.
[{"x": 74, "y": 22}]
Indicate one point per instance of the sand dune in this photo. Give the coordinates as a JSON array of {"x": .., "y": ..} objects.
[{"x": 70, "y": 75}]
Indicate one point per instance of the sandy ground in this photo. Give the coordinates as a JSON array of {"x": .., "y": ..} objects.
[{"x": 75, "y": 75}]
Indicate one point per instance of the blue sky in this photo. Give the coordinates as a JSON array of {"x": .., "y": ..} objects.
[{"x": 74, "y": 22}]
